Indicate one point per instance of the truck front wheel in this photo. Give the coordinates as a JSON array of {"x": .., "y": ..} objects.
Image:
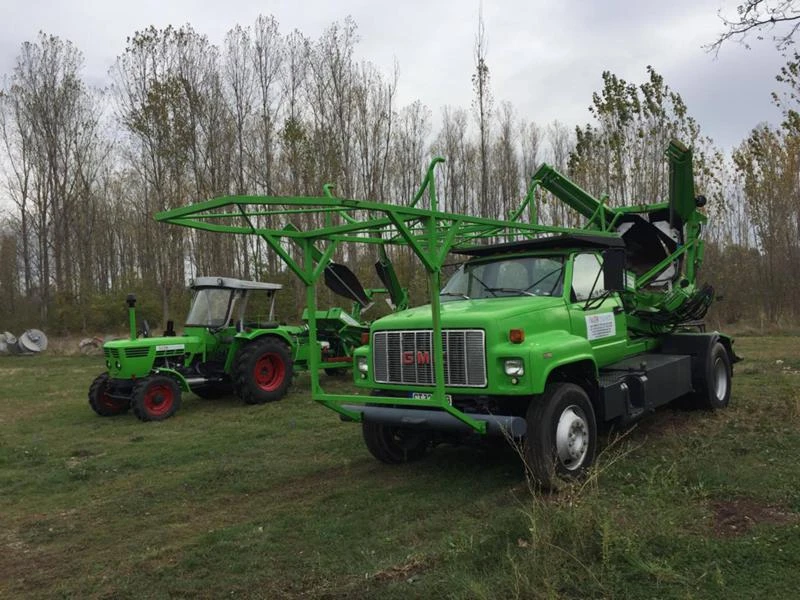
[
  {"x": 561, "y": 441},
  {"x": 394, "y": 445},
  {"x": 263, "y": 371}
]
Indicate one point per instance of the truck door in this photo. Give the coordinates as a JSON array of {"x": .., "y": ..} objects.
[{"x": 603, "y": 322}]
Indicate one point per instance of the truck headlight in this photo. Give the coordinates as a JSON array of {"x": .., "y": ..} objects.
[
  {"x": 361, "y": 364},
  {"x": 514, "y": 367}
]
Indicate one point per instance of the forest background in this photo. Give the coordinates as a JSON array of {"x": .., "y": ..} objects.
[{"x": 83, "y": 170}]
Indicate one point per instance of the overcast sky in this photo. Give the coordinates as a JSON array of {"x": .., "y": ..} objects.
[{"x": 545, "y": 56}]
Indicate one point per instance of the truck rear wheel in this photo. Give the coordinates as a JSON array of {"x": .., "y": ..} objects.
[
  {"x": 394, "y": 445},
  {"x": 155, "y": 398},
  {"x": 561, "y": 441},
  {"x": 263, "y": 371},
  {"x": 101, "y": 402},
  {"x": 715, "y": 389}
]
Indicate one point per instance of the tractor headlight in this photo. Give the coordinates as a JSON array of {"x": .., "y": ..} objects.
[
  {"x": 514, "y": 367},
  {"x": 118, "y": 365},
  {"x": 362, "y": 365}
]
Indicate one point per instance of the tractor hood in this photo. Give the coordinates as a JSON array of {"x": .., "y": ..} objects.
[
  {"x": 127, "y": 358},
  {"x": 468, "y": 314},
  {"x": 159, "y": 342}
]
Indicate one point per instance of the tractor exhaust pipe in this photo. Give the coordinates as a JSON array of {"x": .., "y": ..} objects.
[{"x": 131, "y": 301}]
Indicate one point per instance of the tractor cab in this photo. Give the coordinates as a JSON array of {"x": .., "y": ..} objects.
[{"x": 220, "y": 302}]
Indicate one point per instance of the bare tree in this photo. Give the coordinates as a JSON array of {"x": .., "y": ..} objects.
[
  {"x": 781, "y": 18},
  {"x": 482, "y": 104},
  {"x": 506, "y": 163},
  {"x": 268, "y": 56},
  {"x": 50, "y": 130}
]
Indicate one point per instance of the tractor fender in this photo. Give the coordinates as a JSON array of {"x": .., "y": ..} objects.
[
  {"x": 179, "y": 378},
  {"x": 241, "y": 339}
]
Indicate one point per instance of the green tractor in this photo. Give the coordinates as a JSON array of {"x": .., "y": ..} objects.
[{"x": 231, "y": 344}]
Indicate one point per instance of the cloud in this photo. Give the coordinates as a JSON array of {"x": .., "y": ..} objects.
[{"x": 544, "y": 57}]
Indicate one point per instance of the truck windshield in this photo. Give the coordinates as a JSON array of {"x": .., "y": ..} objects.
[
  {"x": 524, "y": 276},
  {"x": 209, "y": 308}
]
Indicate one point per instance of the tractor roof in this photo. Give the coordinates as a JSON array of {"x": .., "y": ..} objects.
[
  {"x": 232, "y": 284},
  {"x": 553, "y": 242}
]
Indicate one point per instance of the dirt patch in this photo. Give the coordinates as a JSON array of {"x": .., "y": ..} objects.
[
  {"x": 736, "y": 516},
  {"x": 405, "y": 571}
]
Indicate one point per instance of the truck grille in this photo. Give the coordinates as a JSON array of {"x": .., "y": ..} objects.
[{"x": 406, "y": 357}]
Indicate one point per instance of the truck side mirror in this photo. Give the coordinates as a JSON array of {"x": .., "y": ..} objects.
[{"x": 614, "y": 270}]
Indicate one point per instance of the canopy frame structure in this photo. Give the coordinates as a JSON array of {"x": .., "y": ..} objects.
[{"x": 430, "y": 233}]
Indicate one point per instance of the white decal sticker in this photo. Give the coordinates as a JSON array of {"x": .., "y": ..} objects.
[
  {"x": 600, "y": 326},
  {"x": 348, "y": 320},
  {"x": 168, "y": 347}
]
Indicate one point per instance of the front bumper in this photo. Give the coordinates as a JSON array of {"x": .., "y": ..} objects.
[{"x": 437, "y": 420}]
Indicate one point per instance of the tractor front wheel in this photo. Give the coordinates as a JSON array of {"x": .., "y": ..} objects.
[
  {"x": 100, "y": 400},
  {"x": 155, "y": 398},
  {"x": 263, "y": 371}
]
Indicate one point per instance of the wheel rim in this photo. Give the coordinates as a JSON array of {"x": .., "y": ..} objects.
[
  {"x": 158, "y": 399},
  {"x": 269, "y": 372},
  {"x": 572, "y": 438},
  {"x": 720, "y": 379}
]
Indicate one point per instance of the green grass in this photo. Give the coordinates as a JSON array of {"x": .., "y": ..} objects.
[{"x": 283, "y": 500}]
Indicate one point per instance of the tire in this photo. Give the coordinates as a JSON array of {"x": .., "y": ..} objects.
[
  {"x": 155, "y": 398},
  {"x": 263, "y": 371},
  {"x": 714, "y": 391},
  {"x": 395, "y": 445},
  {"x": 103, "y": 404},
  {"x": 561, "y": 441},
  {"x": 214, "y": 391}
]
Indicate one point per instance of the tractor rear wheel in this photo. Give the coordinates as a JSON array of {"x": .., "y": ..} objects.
[
  {"x": 263, "y": 370},
  {"x": 100, "y": 400},
  {"x": 155, "y": 398}
]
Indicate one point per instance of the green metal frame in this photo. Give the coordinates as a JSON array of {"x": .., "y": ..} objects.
[{"x": 430, "y": 233}]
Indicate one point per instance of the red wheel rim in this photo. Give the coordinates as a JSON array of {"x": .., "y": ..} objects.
[
  {"x": 269, "y": 372},
  {"x": 158, "y": 399}
]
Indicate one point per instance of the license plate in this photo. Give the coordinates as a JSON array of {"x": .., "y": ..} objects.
[{"x": 426, "y": 396}]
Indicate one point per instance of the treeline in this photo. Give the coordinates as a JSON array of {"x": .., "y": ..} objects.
[{"x": 267, "y": 112}]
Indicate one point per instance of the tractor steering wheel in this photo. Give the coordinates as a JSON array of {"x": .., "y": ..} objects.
[{"x": 145, "y": 330}]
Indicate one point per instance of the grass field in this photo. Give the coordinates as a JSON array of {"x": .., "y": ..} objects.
[{"x": 283, "y": 501}]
